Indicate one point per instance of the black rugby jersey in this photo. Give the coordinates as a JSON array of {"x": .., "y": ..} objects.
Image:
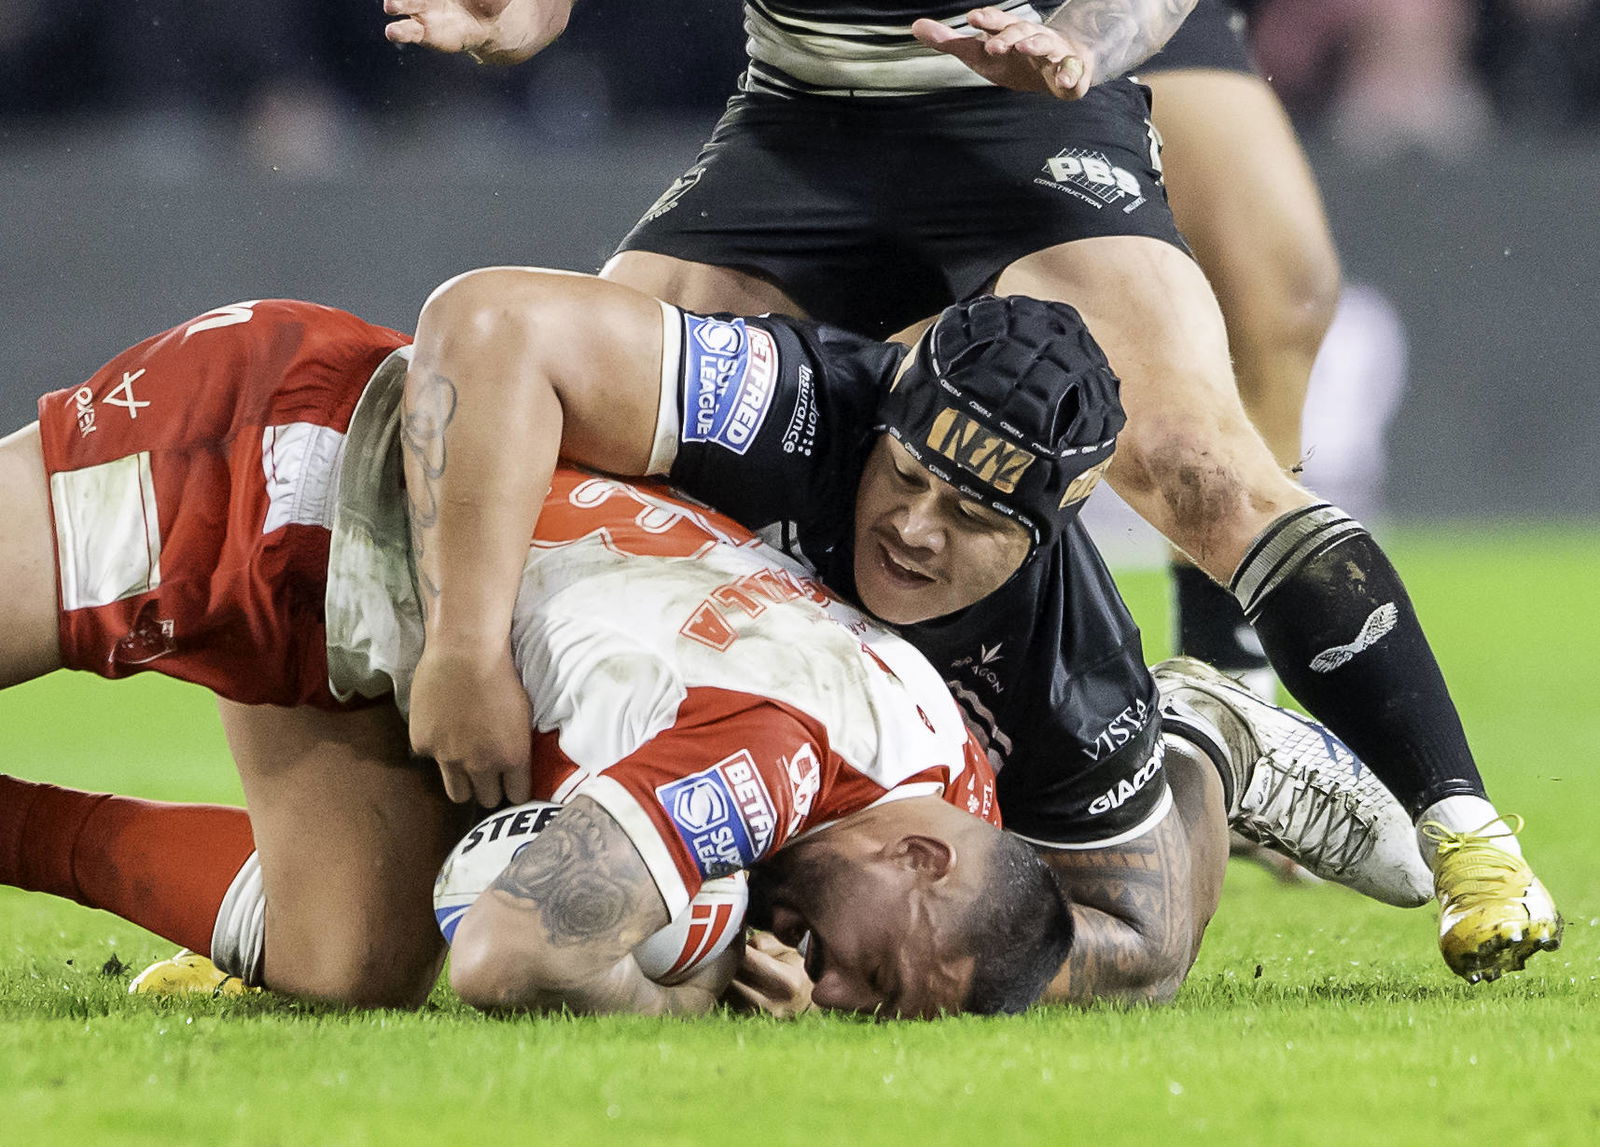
[
  {"x": 777, "y": 419},
  {"x": 858, "y": 48}
]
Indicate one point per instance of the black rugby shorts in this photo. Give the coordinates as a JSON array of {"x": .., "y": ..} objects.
[{"x": 875, "y": 212}]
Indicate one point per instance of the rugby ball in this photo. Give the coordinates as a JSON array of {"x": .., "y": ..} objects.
[{"x": 700, "y": 933}]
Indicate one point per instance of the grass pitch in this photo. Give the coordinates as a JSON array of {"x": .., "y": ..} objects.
[{"x": 1312, "y": 1017}]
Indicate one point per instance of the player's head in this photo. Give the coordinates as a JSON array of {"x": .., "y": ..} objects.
[
  {"x": 1000, "y": 422},
  {"x": 915, "y": 908}
]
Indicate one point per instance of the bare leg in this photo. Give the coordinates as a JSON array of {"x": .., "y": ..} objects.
[
  {"x": 30, "y": 643},
  {"x": 1332, "y": 613},
  {"x": 1245, "y": 198},
  {"x": 698, "y": 286},
  {"x": 1189, "y": 460},
  {"x": 350, "y": 835}
]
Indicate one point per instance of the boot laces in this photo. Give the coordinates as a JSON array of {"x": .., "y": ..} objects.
[
  {"x": 1472, "y": 870},
  {"x": 1318, "y": 821}
]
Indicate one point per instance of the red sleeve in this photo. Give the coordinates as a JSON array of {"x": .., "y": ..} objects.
[{"x": 730, "y": 783}]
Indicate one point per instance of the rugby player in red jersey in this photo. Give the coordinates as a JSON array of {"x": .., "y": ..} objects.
[
  {"x": 222, "y": 504},
  {"x": 898, "y": 475}
]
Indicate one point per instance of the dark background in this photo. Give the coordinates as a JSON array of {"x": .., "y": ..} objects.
[{"x": 151, "y": 169}]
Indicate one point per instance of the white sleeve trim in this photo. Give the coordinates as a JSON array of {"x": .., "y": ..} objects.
[
  {"x": 1163, "y": 807},
  {"x": 644, "y": 834},
  {"x": 664, "y": 449}
]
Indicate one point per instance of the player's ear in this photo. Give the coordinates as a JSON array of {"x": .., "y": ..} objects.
[{"x": 926, "y": 855}]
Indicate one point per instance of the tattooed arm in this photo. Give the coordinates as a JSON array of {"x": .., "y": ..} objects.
[
  {"x": 510, "y": 367},
  {"x": 558, "y": 927},
  {"x": 1082, "y": 43},
  {"x": 1134, "y": 917}
]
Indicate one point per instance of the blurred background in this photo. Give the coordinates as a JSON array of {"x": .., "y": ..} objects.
[{"x": 161, "y": 157}]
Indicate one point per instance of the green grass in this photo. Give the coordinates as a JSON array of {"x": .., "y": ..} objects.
[{"x": 1312, "y": 1017}]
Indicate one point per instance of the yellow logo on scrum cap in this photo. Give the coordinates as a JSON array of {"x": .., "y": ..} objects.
[
  {"x": 1081, "y": 486},
  {"x": 967, "y": 443}
]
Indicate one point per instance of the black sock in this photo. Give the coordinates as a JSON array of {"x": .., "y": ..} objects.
[
  {"x": 1341, "y": 632},
  {"x": 1209, "y": 623}
]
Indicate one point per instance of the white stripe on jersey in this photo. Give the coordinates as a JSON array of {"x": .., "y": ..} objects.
[
  {"x": 1157, "y": 815},
  {"x": 791, "y": 53},
  {"x": 984, "y": 726},
  {"x": 641, "y": 830}
]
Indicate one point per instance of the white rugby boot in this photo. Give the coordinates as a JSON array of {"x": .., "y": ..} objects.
[{"x": 1297, "y": 789}]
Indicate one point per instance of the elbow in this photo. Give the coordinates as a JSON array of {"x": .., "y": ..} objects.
[
  {"x": 493, "y": 303},
  {"x": 516, "y": 332},
  {"x": 482, "y": 980},
  {"x": 490, "y": 971},
  {"x": 1156, "y": 965},
  {"x": 1112, "y": 960}
]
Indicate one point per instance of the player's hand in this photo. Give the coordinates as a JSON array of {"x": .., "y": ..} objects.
[
  {"x": 490, "y": 31},
  {"x": 702, "y": 991},
  {"x": 772, "y": 979},
  {"x": 1014, "y": 52},
  {"x": 471, "y": 715}
]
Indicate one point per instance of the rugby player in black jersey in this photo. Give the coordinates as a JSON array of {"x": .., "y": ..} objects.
[
  {"x": 885, "y": 157},
  {"x": 946, "y": 504}
]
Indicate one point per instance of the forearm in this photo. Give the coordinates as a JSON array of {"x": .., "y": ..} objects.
[
  {"x": 557, "y": 929},
  {"x": 1119, "y": 34},
  {"x": 1134, "y": 919},
  {"x": 621, "y": 989},
  {"x": 1111, "y": 959}
]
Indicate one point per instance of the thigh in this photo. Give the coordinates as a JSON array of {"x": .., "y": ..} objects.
[
  {"x": 1189, "y": 460},
  {"x": 767, "y": 210},
  {"x": 350, "y": 834},
  {"x": 1240, "y": 186},
  {"x": 700, "y": 287},
  {"x": 1244, "y": 194},
  {"x": 29, "y": 641}
]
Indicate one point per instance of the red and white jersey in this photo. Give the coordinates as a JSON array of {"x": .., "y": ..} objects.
[
  {"x": 700, "y": 686},
  {"x": 710, "y": 694}
]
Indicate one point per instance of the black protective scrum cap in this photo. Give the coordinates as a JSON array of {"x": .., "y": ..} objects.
[{"x": 1012, "y": 402}]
